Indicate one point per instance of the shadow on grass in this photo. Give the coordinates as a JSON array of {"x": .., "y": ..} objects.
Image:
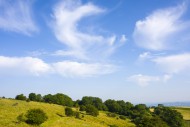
[{"x": 60, "y": 115}]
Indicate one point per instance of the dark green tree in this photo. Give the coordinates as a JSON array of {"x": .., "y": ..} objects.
[
  {"x": 95, "y": 101},
  {"x": 82, "y": 108},
  {"x": 20, "y": 97},
  {"x": 48, "y": 98},
  {"x": 39, "y": 98},
  {"x": 113, "y": 106},
  {"x": 32, "y": 96}
]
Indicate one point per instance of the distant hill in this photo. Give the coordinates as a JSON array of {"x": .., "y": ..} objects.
[{"x": 175, "y": 104}]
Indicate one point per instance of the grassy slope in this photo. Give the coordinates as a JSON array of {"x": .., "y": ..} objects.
[
  {"x": 185, "y": 111},
  {"x": 10, "y": 109}
]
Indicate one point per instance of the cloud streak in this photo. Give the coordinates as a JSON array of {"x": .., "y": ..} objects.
[
  {"x": 80, "y": 44},
  {"x": 163, "y": 29},
  {"x": 145, "y": 80},
  {"x": 37, "y": 67},
  {"x": 16, "y": 16}
]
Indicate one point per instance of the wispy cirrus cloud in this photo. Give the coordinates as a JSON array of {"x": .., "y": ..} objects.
[
  {"x": 16, "y": 16},
  {"x": 163, "y": 29},
  {"x": 145, "y": 80},
  {"x": 81, "y": 44},
  {"x": 36, "y": 67}
]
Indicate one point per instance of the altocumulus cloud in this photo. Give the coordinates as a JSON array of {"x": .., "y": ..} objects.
[
  {"x": 16, "y": 16},
  {"x": 163, "y": 29},
  {"x": 80, "y": 44},
  {"x": 36, "y": 67}
]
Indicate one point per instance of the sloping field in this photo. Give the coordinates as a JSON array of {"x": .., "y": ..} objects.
[
  {"x": 10, "y": 109},
  {"x": 185, "y": 111}
]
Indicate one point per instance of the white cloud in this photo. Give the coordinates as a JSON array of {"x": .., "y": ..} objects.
[
  {"x": 163, "y": 29},
  {"x": 75, "y": 69},
  {"x": 174, "y": 63},
  {"x": 23, "y": 66},
  {"x": 123, "y": 38},
  {"x": 16, "y": 16},
  {"x": 145, "y": 55},
  {"x": 80, "y": 44},
  {"x": 145, "y": 80},
  {"x": 37, "y": 67}
]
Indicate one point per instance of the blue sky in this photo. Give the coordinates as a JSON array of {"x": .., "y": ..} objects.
[{"x": 136, "y": 51}]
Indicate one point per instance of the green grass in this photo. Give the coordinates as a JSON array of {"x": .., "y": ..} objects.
[{"x": 10, "y": 109}]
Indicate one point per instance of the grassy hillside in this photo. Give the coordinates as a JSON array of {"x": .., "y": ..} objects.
[
  {"x": 10, "y": 109},
  {"x": 185, "y": 111}
]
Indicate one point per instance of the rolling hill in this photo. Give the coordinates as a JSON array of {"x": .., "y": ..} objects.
[{"x": 10, "y": 109}]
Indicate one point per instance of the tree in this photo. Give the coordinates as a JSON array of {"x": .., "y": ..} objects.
[
  {"x": 62, "y": 99},
  {"x": 20, "y": 97},
  {"x": 32, "y": 96},
  {"x": 91, "y": 110},
  {"x": 36, "y": 116},
  {"x": 95, "y": 101},
  {"x": 48, "y": 98},
  {"x": 82, "y": 108},
  {"x": 113, "y": 106},
  {"x": 38, "y": 97}
]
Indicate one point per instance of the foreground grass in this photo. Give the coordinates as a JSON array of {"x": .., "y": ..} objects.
[
  {"x": 10, "y": 109},
  {"x": 185, "y": 111}
]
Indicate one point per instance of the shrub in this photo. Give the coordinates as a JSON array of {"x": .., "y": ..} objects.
[
  {"x": 122, "y": 117},
  {"x": 68, "y": 111},
  {"x": 91, "y": 110},
  {"x": 36, "y": 116}
]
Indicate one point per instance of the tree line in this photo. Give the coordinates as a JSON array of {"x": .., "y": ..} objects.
[{"x": 139, "y": 114}]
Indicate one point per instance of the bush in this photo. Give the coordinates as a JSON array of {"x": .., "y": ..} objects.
[
  {"x": 91, "y": 110},
  {"x": 122, "y": 117},
  {"x": 36, "y": 116},
  {"x": 68, "y": 111}
]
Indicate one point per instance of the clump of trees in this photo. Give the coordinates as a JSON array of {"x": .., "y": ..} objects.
[
  {"x": 59, "y": 98},
  {"x": 20, "y": 97},
  {"x": 95, "y": 101},
  {"x": 35, "y": 97}
]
